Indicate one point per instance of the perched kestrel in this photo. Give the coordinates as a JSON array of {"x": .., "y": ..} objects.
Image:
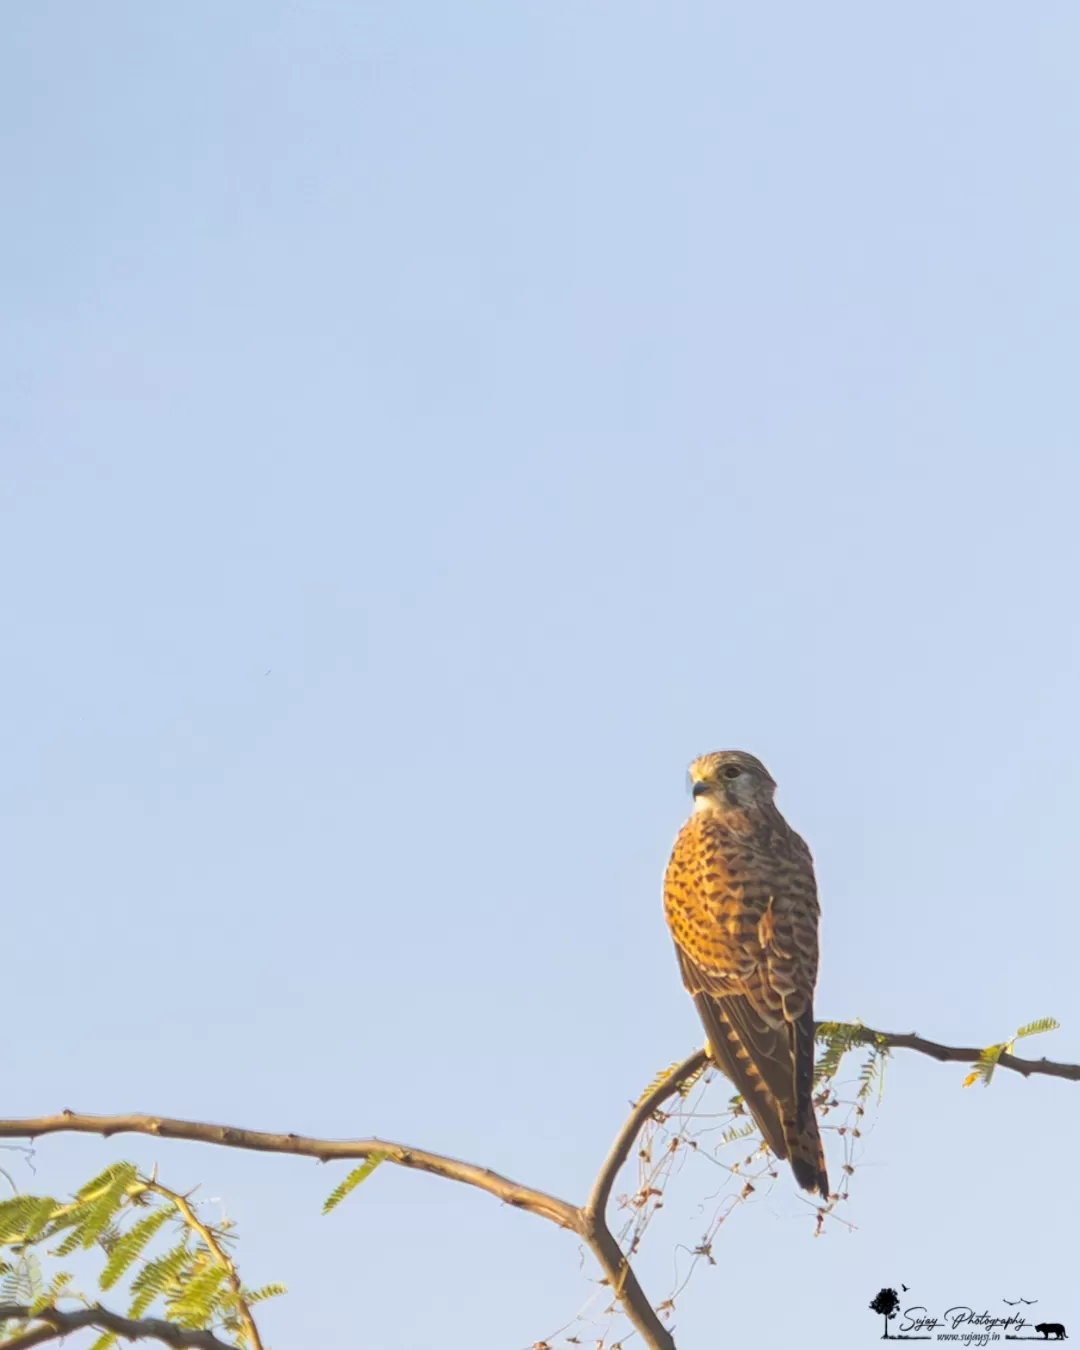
[{"x": 741, "y": 902}]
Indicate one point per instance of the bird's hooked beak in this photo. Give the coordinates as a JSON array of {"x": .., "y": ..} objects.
[{"x": 699, "y": 788}]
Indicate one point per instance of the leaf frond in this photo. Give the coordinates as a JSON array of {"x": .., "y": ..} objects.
[
  {"x": 130, "y": 1246},
  {"x": 266, "y": 1291},
  {"x": 1037, "y": 1027},
  {"x": 355, "y": 1177}
]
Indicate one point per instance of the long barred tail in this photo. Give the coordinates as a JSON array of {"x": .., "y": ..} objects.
[
  {"x": 759, "y": 1061},
  {"x": 807, "y": 1158},
  {"x": 805, "y": 1152}
]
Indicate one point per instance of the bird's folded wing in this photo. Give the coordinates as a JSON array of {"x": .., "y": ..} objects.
[{"x": 754, "y": 1057}]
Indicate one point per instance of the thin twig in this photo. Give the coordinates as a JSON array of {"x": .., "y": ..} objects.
[
  {"x": 58, "y": 1324},
  {"x": 207, "y": 1235}
]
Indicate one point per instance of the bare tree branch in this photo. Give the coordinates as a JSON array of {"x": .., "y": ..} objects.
[
  {"x": 964, "y": 1054},
  {"x": 624, "y": 1285},
  {"x": 588, "y": 1221},
  {"x": 594, "y": 1226},
  {"x": 642, "y": 1112},
  {"x": 58, "y": 1324},
  {"x": 325, "y": 1150}
]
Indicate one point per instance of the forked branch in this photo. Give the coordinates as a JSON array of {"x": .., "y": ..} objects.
[{"x": 589, "y": 1221}]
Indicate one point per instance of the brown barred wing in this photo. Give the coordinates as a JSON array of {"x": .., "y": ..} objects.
[
  {"x": 732, "y": 1058},
  {"x": 782, "y": 1063}
]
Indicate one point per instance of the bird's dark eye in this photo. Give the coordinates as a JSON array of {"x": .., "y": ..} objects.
[{"x": 732, "y": 771}]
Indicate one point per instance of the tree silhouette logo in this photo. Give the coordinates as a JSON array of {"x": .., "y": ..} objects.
[
  {"x": 886, "y": 1303},
  {"x": 967, "y": 1323}
]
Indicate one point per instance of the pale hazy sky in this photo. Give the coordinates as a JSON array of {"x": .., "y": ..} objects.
[{"x": 543, "y": 393}]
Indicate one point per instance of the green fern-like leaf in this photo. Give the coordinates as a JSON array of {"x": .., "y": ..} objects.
[
  {"x": 23, "y": 1282},
  {"x": 734, "y": 1132},
  {"x": 23, "y": 1218},
  {"x": 116, "y": 1173},
  {"x": 127, "y": 1248},
  {"x": 867, "y": 1073},
  {"x": 355, "y": 1177},
  {"x": 838, "y": 1038},
  {"x": 688, "y": 1083},
  {"x": 231, "y": 1322},
  {"x": 98, "y": 1220},
  {"x": 847, "y": 1034},
  {"x": 988, "y": 1061},
  {"x": 657, "y": 1079},
  {"x": 121, "y": 1211},
  {"x": 1036, "y": 1028},
  {"x": 70, "y": 1243},
  {"x": 159, "y": 1276},
  {"x": 872, "y": 1071},
  {"x": 12, "y": 1289},
  {"x": 59, "y": 1285},
  {"x": 91, "y": 1217},
  {"x": 828, "y": 1061},
  {"x": 194, "y": 1305},
  {"x": 58, "y": 1289},
  {"x": 69, "y": 1216},
  {"x": 663, "y": 1076},
  {"x": 266, "y": 1291}
]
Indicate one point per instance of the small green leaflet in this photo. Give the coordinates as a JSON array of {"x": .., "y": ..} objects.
[
  {"x": 355, "y": 1177},
  {"x": 274, "y": 1290},
  {"x": 130, "y": 1246},
  {"x": 988, "y": 1059},
  {"x": 1034, "y": 1028}
]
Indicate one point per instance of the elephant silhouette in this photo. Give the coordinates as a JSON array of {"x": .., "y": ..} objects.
[{"x": 1054, "y": 1329}]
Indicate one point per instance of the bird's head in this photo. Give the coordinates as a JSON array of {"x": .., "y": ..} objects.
[{"x": 730, "y": 780}]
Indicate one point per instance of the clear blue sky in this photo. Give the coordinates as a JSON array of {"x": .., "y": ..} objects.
[{"x": 543, "y": 394}]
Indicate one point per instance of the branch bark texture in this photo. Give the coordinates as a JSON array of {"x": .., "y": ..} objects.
[
  {"x": 57, "y": 1324},
  {"x": 966, "y": 1054}
]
